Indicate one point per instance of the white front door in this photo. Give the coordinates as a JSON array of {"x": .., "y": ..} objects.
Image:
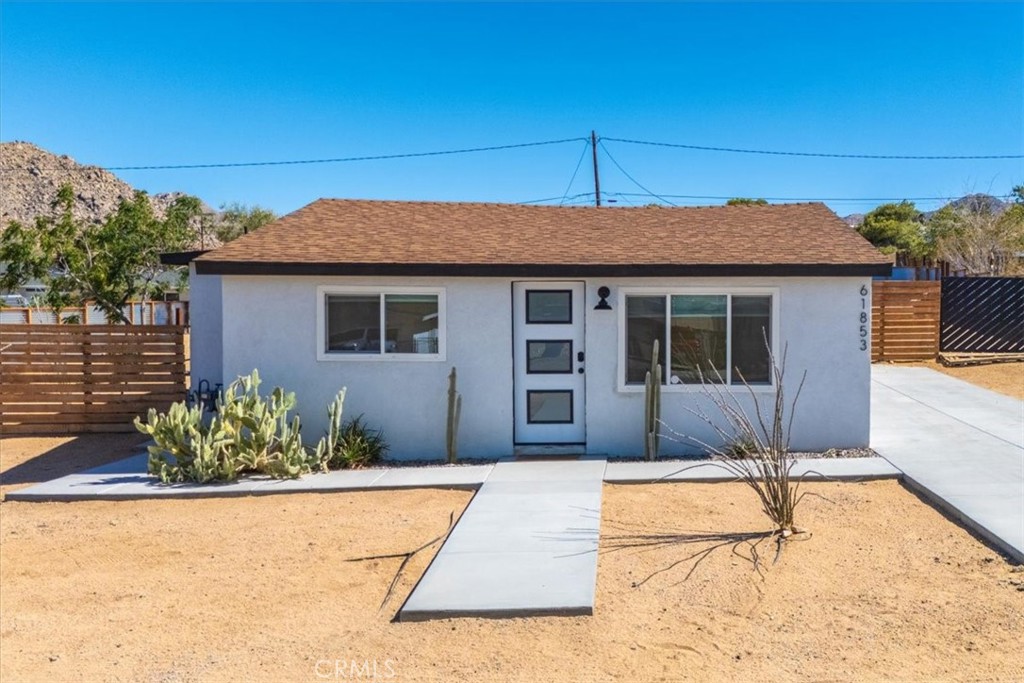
[{"x": 548, "y": 358}]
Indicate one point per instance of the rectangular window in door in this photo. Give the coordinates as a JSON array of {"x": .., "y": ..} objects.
[
  {"x": 549, "y": 307},
  {"x": 549, "y": 357},
  {"x": 549, "y": 407}
]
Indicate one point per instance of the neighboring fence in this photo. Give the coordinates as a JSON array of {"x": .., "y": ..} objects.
[
  {"x": 904, "y": 320},
  {"x": 70, "y": 379},
  {"x": 139, "y": 312},
  {"x": 983, "y": 315}
]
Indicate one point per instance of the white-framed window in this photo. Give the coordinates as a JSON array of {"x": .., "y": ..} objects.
[
  {"x": 380, "y": 323},
  {"x": 717, "y": 333}
]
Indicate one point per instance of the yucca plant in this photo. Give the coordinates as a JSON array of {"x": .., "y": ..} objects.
[{"x": 358, "y": 446}]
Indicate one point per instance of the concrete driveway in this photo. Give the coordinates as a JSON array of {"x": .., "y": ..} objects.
[{"x": 960, "y": 445}]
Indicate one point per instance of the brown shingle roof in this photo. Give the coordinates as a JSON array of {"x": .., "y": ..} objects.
[{"x": 361, "y": 237}]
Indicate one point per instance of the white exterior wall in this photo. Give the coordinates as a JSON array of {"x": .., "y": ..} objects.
[
  {"x": 818, "y": 320},
  {"x": 269, "y": 323},
  {"x": 206, "y": 339}
]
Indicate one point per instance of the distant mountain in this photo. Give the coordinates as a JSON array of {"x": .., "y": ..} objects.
[
  {"x": 854, "y": 219},
  {"x": 994, "y": 204},
  {"x": 978, "y": 200},
  {"x": 30, "y": 177}
]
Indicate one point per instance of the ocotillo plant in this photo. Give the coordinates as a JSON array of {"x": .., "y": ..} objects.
[
  {"x": 762, "y": 425},
  {"x": 652, "y": 406},
  {"x": 454, "y": 413}
]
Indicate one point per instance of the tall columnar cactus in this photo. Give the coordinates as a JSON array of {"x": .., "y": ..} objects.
[
  {"x": 327, "y": 447},
  {"x": 454, "y": 413},
  {"x": 652, "y": 406}
]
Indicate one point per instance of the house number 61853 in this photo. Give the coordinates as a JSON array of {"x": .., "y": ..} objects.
[{"x": 864, "y": 318}]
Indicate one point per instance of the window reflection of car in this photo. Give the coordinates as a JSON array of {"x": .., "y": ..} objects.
[{"x": 365, "y": 339}]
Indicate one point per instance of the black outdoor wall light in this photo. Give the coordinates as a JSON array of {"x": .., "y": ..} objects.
[{"x": 603, "y": 304}]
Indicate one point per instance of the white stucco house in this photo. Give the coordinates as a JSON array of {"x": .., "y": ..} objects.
[{"x": 548, "y": 313}]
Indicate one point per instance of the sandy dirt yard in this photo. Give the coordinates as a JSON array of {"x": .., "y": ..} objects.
[
  {"x": 1006, "y": 378},
  {"x": 259, "y": 589}
]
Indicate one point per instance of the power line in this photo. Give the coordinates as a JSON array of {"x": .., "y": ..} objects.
[
  {"x": 626, "y": 173},
  {"x": 376, "y": 157},
  {"x": 828, "y": 155},
  {"x": 563, "y": 198},
  {"x": 586, "y": 145},
  {"x": 626, "y": 195},
  {"x": 799, "y": 199},
  {"x": 470, "y": 150}
]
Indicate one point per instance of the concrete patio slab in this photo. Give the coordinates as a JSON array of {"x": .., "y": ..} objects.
[
  {"x": 549, "y": 470},
  {"x": 961, "y": 447},
  {"x": 142, "y": 486},
  {"x": 525, "y": 546},
  {"x": 135, "y": 464},
  {"x": 811, "y": 469},
  {"x": 127, "y": 480},
  {"x": 68, "y": 488},
  {"x": 456, "y": 476},
  {"x": 976, "y": 406},
  {"x": 124, "y": 486},
  {"x": 338, "y": 480}
]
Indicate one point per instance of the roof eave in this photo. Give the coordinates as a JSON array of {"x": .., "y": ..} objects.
[
  {"x": 545, "y": 270},
  {"x": 181, "y": 258}
]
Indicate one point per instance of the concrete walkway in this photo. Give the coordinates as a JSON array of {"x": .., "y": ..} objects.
[
  {"x": 127, "y": 480},
  {"x": 960, "y": 446},
  {"x": 525, "y": 546}
]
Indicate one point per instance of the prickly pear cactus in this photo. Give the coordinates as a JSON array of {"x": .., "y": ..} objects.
[{"x": 247, "y": 433}]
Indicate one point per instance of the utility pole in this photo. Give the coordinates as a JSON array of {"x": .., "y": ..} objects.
[{"x": 597, "y": 180}]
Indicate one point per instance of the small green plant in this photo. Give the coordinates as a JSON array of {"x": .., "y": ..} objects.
[
  {"x": 358, "y": 446},
  {"x": 247, "y": 433},
  {"x": 454, "y": 415},
  {"x": 652, "y": 406},
  {"x": 740, "y": 448}
]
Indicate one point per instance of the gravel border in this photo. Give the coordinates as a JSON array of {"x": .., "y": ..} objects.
[{"x": 467, "y": 462}]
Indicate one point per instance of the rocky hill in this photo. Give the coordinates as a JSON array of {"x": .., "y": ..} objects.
[
  {"x": 977, "y": 200},
  {"x": 854, "y": 219},
  {"x": 30, "y": 177}
]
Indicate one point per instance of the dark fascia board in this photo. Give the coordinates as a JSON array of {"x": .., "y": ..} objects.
[
  {"x": 546, "y": 270},
  {"x": 181, "y": 258}
]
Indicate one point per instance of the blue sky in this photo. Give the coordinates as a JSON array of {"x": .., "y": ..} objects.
[{"x": 135, "y": 84}]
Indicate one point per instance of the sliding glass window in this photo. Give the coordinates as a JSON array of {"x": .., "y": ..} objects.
[{"x": 713, "y": 338}]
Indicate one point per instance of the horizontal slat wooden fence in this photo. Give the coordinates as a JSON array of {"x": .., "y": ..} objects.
[
  {"x": 905, "y": 320},
  {"x": 72, "y": 379},
  {"x": 138, "y": 312},
  {"x": 983, "y": 315}
]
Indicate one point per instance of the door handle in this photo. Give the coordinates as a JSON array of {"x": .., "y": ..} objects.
[{"x": 580, "y": 356}]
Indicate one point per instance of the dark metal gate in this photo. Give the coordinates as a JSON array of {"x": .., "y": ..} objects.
[{"x": 982, "y": 315}]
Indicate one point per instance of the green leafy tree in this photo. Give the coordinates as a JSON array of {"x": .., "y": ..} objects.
[
  {"x": 896, "y": 229},
  {"x": 238, "y": 219},
  {"x": 979, "y": 237},
  {"x": 745, "y": 201},
  {"x": 108, "y": 264}
]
